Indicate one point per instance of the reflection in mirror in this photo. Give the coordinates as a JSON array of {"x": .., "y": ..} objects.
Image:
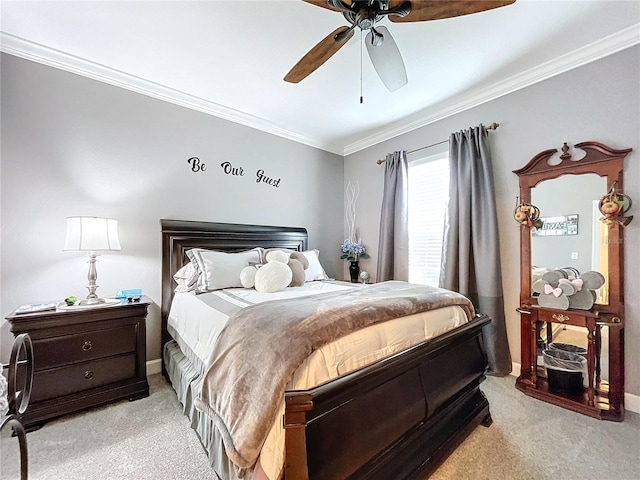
[{"x": 576, "y": 243}]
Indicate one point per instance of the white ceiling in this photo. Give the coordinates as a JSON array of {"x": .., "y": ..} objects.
[{"x": 228, "y": 58}]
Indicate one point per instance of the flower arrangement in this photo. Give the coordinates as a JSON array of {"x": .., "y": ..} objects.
[{"x": 352, "y": 251}]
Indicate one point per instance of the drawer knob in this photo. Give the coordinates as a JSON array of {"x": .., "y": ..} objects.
[
  {"x": 88, "y": 375},
  {"x": 560, "y": 317},
  {"x": 87, "y": 346}
]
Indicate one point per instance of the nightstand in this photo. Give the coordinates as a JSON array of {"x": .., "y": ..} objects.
[{"x": 84, "y": 357}]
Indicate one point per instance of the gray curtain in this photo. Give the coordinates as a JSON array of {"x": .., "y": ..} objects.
[
  {"x": 471, "y": 247},
  {"x": 393, "y": 240}
]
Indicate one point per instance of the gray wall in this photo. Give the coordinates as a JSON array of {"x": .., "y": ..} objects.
[
  {"x": 75, "y": 146},
  {"x": 599, "y": 101}
]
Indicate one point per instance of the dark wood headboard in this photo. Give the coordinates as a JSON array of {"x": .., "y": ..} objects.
[{"x": 178, "y": 236}]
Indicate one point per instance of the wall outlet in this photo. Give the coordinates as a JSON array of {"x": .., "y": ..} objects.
[{"x": 574, "y": 255}]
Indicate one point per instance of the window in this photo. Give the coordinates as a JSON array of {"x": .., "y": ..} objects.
[{"x": 428, "y": 185}]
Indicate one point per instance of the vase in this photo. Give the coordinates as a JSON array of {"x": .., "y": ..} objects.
[{"x": 354, "y": 271}]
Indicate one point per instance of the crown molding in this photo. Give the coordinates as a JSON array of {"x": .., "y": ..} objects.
[
  {"x": 589, "y": 53},
  {"x": 38, "y": 53},
  {"x": 609, "y": 45}
]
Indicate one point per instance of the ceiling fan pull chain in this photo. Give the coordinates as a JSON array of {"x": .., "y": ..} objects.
[{"x": 361, "y": 47}]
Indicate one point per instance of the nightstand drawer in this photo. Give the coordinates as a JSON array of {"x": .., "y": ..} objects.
[
  {"x": 82, "y": 376},
  {"x": 80, "y": 347}
]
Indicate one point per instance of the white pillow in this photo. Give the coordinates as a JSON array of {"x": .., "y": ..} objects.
[
  {"x": 248, "y": 276},
  {"x": 273, "y": 277},
  {"x": 315, "y": 270},
  {"x": 221, "y": 269},
  {"x": 278, "y": 256},
  {"x": 186, "y": 278}
]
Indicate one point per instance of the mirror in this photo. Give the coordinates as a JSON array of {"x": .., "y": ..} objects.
[
  {"x": 572, "y": 235},
  {"x": 567, "y": 189},
  {"x": 593, "y": 161}
]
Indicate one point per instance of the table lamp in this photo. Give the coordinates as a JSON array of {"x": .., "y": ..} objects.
[{"x": 92, "y": 234}]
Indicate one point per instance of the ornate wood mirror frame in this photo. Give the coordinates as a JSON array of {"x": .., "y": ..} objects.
[{"x": 598, "y": 400}]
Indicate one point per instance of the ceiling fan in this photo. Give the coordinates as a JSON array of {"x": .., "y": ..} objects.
[{"x": 383, "y": 51}]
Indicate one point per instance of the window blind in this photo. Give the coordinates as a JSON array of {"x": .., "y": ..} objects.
[{"x": 428, "y": 192}]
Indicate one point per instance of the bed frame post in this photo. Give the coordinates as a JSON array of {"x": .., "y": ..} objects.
[{"x": 295, "y": 423}]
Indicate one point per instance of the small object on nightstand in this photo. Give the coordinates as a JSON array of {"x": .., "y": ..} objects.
[
  {"x": 132, "y": 292},
  {"x": 364, "y": 276},
  {"x": 35, "y": 307},
  {"x": 70, "y": 300}
]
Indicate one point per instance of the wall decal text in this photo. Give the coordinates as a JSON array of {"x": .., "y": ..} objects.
[
  {"x": 197, "y": 165},
  {"x": 261, "y": 177},
  {"x": 231, "y": 170}
]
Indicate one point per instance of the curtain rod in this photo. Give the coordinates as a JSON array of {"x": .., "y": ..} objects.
[{"x": 493, "y": 126}]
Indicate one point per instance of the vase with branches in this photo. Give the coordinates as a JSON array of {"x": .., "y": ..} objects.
[{"x": 352, "y": 249}]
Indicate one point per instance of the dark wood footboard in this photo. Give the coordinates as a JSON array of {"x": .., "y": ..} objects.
[{"x": 397, "y": 419}]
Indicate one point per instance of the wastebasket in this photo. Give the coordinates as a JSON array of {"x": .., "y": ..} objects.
[
  {"x": 568, "y": 347},
  {"x": 564, "y": 369}
]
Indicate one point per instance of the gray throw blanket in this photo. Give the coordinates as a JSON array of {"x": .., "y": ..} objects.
[{"x": 261, "y": 346}]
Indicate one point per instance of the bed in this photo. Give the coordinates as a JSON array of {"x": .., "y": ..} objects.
[{"x": 395, "y": 418}]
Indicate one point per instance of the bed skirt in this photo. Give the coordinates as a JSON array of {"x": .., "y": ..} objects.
[{"x": 186, "y": 381}]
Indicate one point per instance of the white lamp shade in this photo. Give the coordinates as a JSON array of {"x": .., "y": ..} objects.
[{"x": 92, "y": 234}]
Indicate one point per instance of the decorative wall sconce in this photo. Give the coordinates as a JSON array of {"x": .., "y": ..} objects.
[
  {"x": 527, "y": 214},
  {"x": 613, "y": 207}
]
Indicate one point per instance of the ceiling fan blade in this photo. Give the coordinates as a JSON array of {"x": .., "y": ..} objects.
[
  {"x": 325, "y": 4},
  {"x": 319, "y": 54},
  {"x": 438, "y": 9},
  {"x": 386, "y": 59}
]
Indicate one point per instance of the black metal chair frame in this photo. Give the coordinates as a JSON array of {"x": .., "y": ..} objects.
[{"x": 18, "y": 400}]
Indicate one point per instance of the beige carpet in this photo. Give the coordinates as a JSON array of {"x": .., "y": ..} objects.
[
  {"x": 151, "y": 439},
  {"x": 146, "y": 439}
]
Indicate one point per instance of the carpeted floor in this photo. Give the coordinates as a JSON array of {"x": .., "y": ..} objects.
[{"x": 151, "y": 439}]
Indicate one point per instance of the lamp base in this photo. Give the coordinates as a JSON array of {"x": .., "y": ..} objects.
[
  {"x": 91, "y": 301},
  {"x": 92, "y": 298}
]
